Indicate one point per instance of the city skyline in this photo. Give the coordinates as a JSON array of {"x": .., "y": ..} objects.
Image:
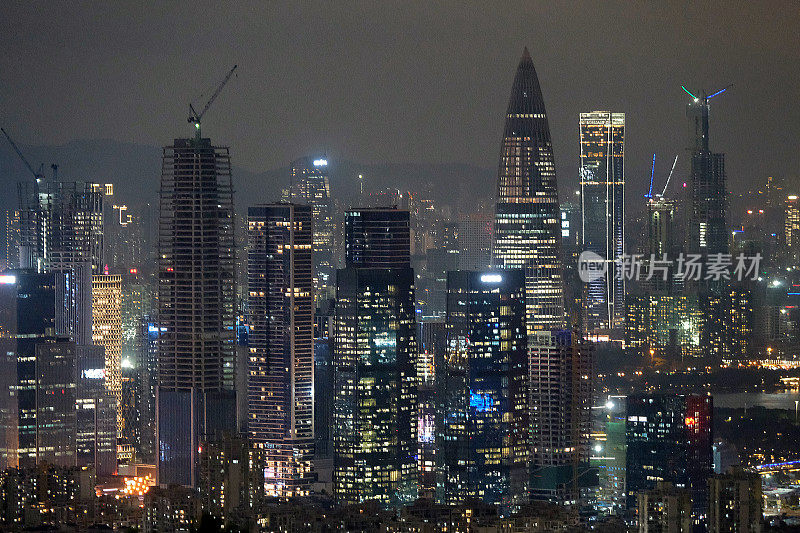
[{"x": 329, "y": 348}]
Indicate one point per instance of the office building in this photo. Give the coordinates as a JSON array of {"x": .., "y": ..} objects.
[
  {"x": 96, "y": 413},
  {"x": 792, "y": 224},
  {"x": 669, "y": 438},
  {"x": 310, "y": 185},
  {"x": 37, "y": 374},
  {"x": 735, "y": 503},
  {"x": 663, "y": 326},
  {"x": 527, "y": 232},
  {"x": 482, "y": 388},
  {"x": 561, "y": 384},
  {"x": 61, "y": 230},
  {"x": 609, "y": 456},
  {"x": 602, "y": 181},
  {"x": 10, "y": 258},
  {"x": 281, "y": 344},
  {"x": 375, "y": 363},
  {"x": 708, "y": 230},
  {"x": 377, "y": 238},
  {"x": 196, "y": 349},
  {"x": 107, "y": 332}
]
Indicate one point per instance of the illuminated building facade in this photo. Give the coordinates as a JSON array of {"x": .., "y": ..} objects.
[
  {"x": 107, "y": 331},
  {"x": 527, "y": 232},
  {"x": 432, "y": 340},
  {"x": 231, "y": 476},
  {"x": 665, "y": 507},
  {"x": 602, "y": 180},
  {"x": 792, "y": 224},
  {"x": 375, "y": 363},
  {"x": 281, "y": 344},
  {"x": 669, "y": 325},
  {"x": 96, "y": 413},
  {"x": 482, "y": 386},
  {"x": 37, "y": 374},
  {"x": 310, "y": 185},
  {"x": 669, "y": 438},
  {"x": 561, "y": 383},
  {"x": 735, "y": 502},
  {"x": 61, "y": 230},
  {"x": 196, "y": 291}
]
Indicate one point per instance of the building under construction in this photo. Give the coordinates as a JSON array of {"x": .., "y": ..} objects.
[{"x": 195, "y": 304}]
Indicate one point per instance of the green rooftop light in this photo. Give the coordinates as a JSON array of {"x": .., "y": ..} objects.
[{"x": 687, "y": 92}]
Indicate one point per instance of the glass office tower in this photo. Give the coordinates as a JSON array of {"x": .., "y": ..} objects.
[
  {"x": 482, "y": 391},
  {"x": 527, "y": 232},
  {"x": 602, "y": 180},
  {"x": 281, "y": 344},
  {"x": 375, "y": 363}
]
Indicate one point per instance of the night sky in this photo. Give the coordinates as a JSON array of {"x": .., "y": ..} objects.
[{"x": 385, "y": 82}]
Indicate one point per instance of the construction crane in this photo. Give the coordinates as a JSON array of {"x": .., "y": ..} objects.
[
  {"x": 196, "y": 117},
  {"x": 37, "y": 175}
]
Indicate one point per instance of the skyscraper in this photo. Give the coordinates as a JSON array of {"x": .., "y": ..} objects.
[
  {"x": 61, "y": 230},
  {"x": 527, "y": 232},
  {"x": 281, "y": 344},
  {"x": 669, "y": 438},
  {"x": 482, "y": 387},
  {"x": 561, "y": 384},
  {"x": 107, "y": 331},
  {"x": 708, "y": 231},
  {"x": 311, "y": 185},
  {"x": 377, "y": 238},
  {"x": 602, "y": 180},
  {"x": 375, "y": 358},
  {"x": 195, "y": 304},
  {"x": 37, "y": 374},
  {"x": 792, "y": 225}
]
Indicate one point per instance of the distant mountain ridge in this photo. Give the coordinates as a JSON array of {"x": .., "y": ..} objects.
[{"x": 135, "y": 171}]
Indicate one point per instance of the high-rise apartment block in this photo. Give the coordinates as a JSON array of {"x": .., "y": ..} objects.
[{"x": 561, "y": 368}]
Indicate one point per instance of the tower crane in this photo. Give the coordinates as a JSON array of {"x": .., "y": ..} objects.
[
  {"x": 196, "y": 117},
  {"x": 37, "y": 175}
]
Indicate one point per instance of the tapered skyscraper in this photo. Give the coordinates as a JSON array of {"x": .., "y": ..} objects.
[{"x": 527, "y": 233}]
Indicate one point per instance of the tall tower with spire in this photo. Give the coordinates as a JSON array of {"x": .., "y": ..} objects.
[{"x": 527, "y": 232}]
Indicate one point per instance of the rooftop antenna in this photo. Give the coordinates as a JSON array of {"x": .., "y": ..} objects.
[
  {"x": 197, "y": 117},
  {"x": 652, "y": 170},
  {"x": 670, "y": 176}
]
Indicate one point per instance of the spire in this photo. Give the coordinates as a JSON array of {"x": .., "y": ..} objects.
[{"x": 526, "y": 56}]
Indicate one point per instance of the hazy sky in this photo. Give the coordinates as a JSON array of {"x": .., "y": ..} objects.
[{"x": 405, "y": 82}]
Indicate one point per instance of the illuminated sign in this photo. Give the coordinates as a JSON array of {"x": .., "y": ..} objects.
[
  {"x": 481, "y": 402},
  {"x": 8, "y": 279},
  {"x": 320, "y": 162},
  {"x": 151, "y": 328},
  {"x": 491, "y": 278},
  {"x": 383, "y": 343},
  {"x": 94, "y": 373}
]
